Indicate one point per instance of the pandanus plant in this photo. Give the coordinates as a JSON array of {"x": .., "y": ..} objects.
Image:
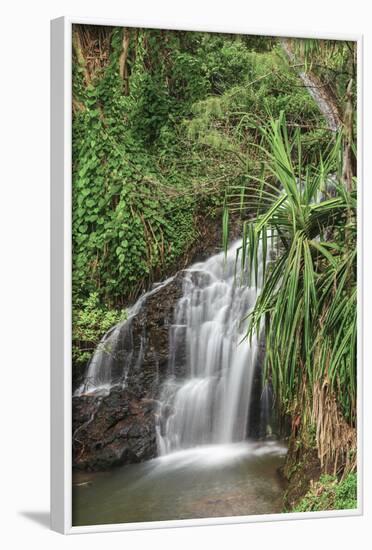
[{"x": 306, "y": 220}]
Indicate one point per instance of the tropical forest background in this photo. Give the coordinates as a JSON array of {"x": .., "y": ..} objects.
[{"x": 176, "y": 133}]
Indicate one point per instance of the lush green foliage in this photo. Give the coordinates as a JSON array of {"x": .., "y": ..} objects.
[
  {"x": 330, "y": 494},
  {"x": 134, "y": 196},
  {"x": 232, "y": 121},
  {"x": 126, "y": 224}
]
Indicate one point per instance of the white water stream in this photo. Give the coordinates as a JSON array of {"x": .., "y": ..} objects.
[{"x": 211, "y": 405}]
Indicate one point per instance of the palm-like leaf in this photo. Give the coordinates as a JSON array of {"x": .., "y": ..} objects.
[{"x": 308, "y": 295}]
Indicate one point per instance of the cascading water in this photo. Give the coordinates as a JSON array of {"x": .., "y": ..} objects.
[
  {"x": 211, "y": 405},
  {"x": 209, "y": 402}
]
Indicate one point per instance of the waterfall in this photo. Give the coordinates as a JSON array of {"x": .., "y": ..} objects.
[
  {"x": 211, "y": 404},
  {"x": 204, "y": 395}
]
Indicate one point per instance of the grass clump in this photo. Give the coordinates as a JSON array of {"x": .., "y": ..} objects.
[{"x": 330, "y": 494}]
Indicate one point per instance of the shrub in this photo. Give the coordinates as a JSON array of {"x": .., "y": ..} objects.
[{"x": 90, "y": 321}]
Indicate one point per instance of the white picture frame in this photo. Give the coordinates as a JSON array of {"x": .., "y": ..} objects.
[{"x": 61, "y": 379}]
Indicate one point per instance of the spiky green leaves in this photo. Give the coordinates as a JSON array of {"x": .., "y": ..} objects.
[{"x": 308, "y": 294}]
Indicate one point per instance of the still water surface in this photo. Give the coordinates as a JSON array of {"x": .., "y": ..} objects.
[{"x": 210, "y": 481}]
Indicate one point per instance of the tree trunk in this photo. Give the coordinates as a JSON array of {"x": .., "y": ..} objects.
[
  {"x": 349, "y": 161},
  {"x": 76, "y": 45},
  {"x": 123, "y": 65}
]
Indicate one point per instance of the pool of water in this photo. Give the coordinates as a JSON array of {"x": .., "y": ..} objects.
[{"x": 203, "y": 482}]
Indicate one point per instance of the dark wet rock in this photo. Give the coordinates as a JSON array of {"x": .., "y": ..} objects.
[
  {"x": 211, "y": 238},
  {"x": 301, "y": 469},
  {"x": 112, "y": 430},
  {"x": 78, "y": 372},
  {"x": 256, "y": 426},
  {"x": 119, "y": 428}
]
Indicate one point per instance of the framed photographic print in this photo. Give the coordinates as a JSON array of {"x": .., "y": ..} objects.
[{"x": 206, "y": 281}]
